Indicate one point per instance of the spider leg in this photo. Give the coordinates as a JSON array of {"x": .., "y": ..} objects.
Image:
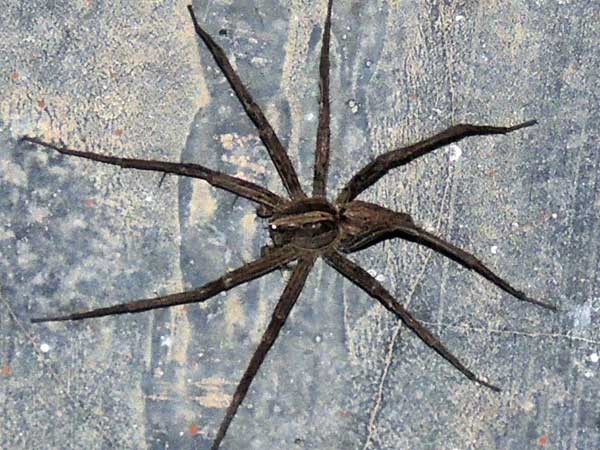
[
  {"x": 381, "y": 165},
  {"x": 278, "y": 154},
  {"x": 413, "y": 233},
  {"x": 243, "y": 188},
  {"x": 255, "y": 269},
  {"x": 371, "y": 286},
  {"x": 324, "y": 129},
  {"x": 280, "y": 314}
]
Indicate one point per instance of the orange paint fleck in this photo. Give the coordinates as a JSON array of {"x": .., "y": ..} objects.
[
  {"x": 118, "y": 132},
  {"x": 543, "y": 440},
  {"x": 89, "y": 202},
  {"x": 6, "y": 371},
  {"x": 14, "y": 76},
  {"x": 194, "y": 429},
  {"x": 41, "y": 103}
]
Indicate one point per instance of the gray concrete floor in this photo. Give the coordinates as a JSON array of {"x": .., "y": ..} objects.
[{"x": 135, "y": 81}]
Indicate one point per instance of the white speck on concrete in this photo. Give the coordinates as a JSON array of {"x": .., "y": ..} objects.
[
  {"x": 594, "y": 357},
  {"x": 45, "y": 348},
  {"x": 455, "y": 152},
  {"x": 165, "y": 341},
  {"x": 583, "y": 316},
  {"x": 494, "y": 249}
]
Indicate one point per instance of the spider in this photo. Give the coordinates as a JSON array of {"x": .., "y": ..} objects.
[{"x": 304, "y": 228}]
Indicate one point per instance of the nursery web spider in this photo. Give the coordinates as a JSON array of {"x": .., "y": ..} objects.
[{"x": 304, "y": 228}]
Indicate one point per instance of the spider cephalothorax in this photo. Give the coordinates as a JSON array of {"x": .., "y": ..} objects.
[
  {"x": 307, "y": 224},
  {"x": 304, "y": 228}
]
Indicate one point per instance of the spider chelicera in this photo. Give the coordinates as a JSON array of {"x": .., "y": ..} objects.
[{"x": 304, "y": 228}]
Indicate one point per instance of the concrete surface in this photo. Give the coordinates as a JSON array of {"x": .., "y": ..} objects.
[{"x": 133, "y": 80}]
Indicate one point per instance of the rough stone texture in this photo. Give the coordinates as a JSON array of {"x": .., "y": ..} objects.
[{"x": 134, "y": 80}]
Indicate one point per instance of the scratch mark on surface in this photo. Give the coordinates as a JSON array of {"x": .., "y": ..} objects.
[
  {"x": 375, "y": 409},
  {"x": 466, "y": 327},
  {"x": 98, "y": 423},
  {"x": 388, "y": 362}
]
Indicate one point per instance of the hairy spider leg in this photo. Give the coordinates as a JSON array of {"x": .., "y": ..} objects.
[
  {"x": 267, "y": 134},
  {"x": 280, "y": 314},
  {"x": 250, "y": 271},
  {"x": 243, "y": 188},
  {"x": 372, "y": 172},
  {"x": 466, "y": 259},
  {"x": 324, "y": 130},
  {"x": 357, "y": 275}
]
